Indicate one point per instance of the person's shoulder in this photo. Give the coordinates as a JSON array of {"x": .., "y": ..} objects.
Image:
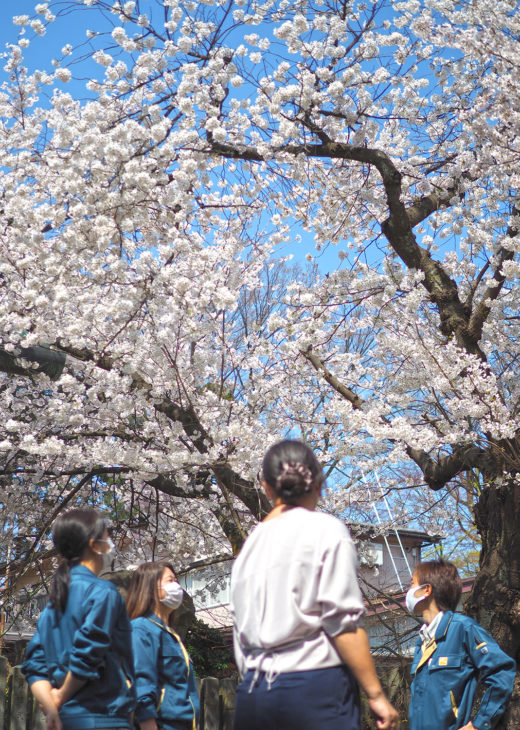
[
  {"x": 322, "y": 529},
  {"x": 46, "y": 616},
  {"x": 100, "y": 589},
  {"x": 328, "y": 524},
  {"x": 146, "y": 631},
  {"x": 467, "y": 625},
  {"x": 103, "y": 584},
  {"x": 142, "y": 624},
  {"x": 463, "y": 620}
]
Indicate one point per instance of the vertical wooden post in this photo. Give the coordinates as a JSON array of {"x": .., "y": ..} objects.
[
  {"x": 3, "y": 690},
  {"x": 200, "y": 690},
  {"x": 210, "y": 704},
  {"x": 18, "y": 692},
  {"x": 227, "y": 699}
]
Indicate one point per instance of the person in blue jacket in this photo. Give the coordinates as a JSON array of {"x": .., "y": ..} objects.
[
  {"x": 166, "y": 688},
  {"x": 79, "y": 662},
  {"x": 452, "y": 655}
]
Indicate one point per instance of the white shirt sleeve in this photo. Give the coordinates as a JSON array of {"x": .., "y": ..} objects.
[
  {"x": 338, "y": 595},
  {"x": 240, "y": 659}
]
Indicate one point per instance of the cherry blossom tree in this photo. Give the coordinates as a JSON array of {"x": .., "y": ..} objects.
[{"x": 138, "y": 213}]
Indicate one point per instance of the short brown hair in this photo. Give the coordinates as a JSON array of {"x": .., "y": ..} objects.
[
  {"x": 445, "y": 581},
  {"x": 143, "y": 593}
]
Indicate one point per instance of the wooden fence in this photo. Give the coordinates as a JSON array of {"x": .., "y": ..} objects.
[
  {"x": 217, "y": 697},
  {"x": 19, "y": 711}
]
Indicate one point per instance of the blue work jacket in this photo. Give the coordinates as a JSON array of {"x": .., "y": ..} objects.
[
  {"x": 92, "y": 640},
  {"x": 445, "y": 677},
  {"x": 165, "y": 681}
]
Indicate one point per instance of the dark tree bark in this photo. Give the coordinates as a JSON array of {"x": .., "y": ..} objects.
[{"x": 495, "y": 599}]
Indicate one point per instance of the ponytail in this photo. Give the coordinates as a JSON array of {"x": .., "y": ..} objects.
[{"x": 71, "y": 533}]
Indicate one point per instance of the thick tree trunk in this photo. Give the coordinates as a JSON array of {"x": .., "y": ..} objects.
[{"x": 495, "y": 599}]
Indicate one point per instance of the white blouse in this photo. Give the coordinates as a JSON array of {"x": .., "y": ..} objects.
[{"x": 293, "y": 586}]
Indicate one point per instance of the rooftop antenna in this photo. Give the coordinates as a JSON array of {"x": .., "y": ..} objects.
[{"x": 392, "y": 520}]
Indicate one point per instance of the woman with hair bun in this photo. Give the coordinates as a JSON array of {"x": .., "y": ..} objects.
[
  {"x": 79, "y": 662},
  {"x": 297, "y": 608}
]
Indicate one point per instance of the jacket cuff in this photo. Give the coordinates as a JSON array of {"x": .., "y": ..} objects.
[
  {"x": 32, "y": 678},
  {"x": 482, "y": 723},
  {"x": 145, "y": 712},
  {"x": 82, "y": 671}
]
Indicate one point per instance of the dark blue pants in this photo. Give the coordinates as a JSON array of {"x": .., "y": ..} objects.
[{"x": 320, "y": 699}]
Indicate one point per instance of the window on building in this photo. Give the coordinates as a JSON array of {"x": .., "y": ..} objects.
[
  {"x": 208, "y": 586},
  {"x": 371, "y": 554}
]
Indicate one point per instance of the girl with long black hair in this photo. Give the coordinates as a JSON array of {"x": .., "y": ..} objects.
[{"x": 79, "y": 662}]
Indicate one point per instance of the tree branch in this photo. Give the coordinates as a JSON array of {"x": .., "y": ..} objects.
[
  {"x": 398, "y": 227},
  {"x": 481, "y": 312},
  {"x": 437, "y": 473}
]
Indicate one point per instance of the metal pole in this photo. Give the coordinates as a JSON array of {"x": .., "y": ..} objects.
[
  {"x": 388, "y": 547},
  {"x": 396, "y": 530}
]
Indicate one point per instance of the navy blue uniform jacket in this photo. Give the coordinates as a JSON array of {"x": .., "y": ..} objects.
[
  {"x": 92, "y": 640},
  {"x": 445, "y": 677}
]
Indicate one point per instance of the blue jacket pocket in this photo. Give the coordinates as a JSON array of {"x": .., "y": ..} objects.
[{"x": 446, "y": 661}]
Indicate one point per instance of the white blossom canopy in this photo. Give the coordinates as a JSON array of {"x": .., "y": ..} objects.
[{"x": 142, "y": 216}]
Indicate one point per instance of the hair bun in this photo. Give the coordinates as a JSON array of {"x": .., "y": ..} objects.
[
  {"x": 294, "y": 479},
  {"x": 291, "y": 470}
]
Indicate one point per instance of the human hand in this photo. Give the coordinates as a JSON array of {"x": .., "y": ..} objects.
[
  {"x": 57, "y": 697},
  {"x": 149, "y": 724},
  {"x": 52, "y": 720},
  {"x": 469, "y": 726},
  {"x": 386, "y": 715}
]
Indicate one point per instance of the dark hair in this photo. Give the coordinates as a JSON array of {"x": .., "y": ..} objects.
[
  {"x": 291, "y": 470},
  {"x": 143, "y": 592},
  {"x": 445, "y": 582},
  {"x": 71, "y": 534}
]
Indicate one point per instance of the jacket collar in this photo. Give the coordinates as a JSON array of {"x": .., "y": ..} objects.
[
  {"x": 431, "y": 646},
  {"x": 427, "y": 631},
  {"x": 442, "y": 628},
  {"x": 83, "y": 570}
]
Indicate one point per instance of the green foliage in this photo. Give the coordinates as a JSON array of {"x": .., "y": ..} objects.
[{"x": 210, "y": 651}]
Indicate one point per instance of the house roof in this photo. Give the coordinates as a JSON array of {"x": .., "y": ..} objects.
[{"x": 367, "y": 530}]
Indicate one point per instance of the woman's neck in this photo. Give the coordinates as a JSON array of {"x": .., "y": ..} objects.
[
  {"x": 279, "y": 509},
  {"x": 307, "y": 501},
  {"x": 163, "y": 612},
  {"x": 93, "y": 562}
]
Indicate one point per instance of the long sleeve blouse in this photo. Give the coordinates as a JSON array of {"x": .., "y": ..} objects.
[{"x": 293, "y": 588}]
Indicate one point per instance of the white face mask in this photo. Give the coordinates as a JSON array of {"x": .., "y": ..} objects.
[
  {"x": 412, "y": 600},
  {"x": 109, "y": 555},
  {"x": 173, "y": 595}
]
